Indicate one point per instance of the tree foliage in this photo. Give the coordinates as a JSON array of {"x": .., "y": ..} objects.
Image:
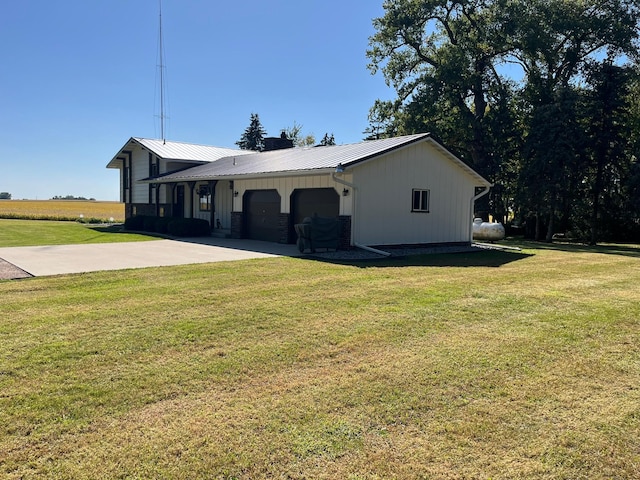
[
  {"x": 253, "y": 136},
  {"x": 511, "y": 85},
  {"x": 299, "y": 139},
  {"x": 328, "y": 140}
]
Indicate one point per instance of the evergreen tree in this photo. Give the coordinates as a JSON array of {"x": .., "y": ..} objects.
[
  {"x": 253, "y": 136},
  {"x": 610, "y": 161},
  {"x": 328, "y": 140}
]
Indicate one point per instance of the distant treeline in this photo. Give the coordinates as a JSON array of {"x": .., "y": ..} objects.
[{"x": 71, "y": 197}]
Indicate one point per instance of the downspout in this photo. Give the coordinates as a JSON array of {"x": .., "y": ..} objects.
[
  {"x": 471, "y": 209},
  {"x": 340, "y": 169}
]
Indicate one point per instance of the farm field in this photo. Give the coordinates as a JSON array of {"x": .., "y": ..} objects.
[
  {"x": 485, "y": 365},
  {"x": 61, "y": 210}
]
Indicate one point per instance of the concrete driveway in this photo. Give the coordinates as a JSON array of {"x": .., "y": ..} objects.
[{"x": 61, "y": 259}]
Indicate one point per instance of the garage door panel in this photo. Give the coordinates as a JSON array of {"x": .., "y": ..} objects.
[
  {"x": 262, "y": 212},
  {"x": 307, "y": 202}
]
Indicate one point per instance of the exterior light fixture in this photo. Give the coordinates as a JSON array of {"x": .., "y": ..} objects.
[
  {"x": 345, "y": 192},
  {"x": 339, "y": 168},
  {"x": 235, "y": 194}
]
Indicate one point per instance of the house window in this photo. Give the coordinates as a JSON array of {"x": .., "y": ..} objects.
[
  {"x": 420, "y": 200},
  {"x": 205, "y": 199}
]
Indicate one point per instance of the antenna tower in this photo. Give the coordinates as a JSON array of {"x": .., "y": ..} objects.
[{"x": 161, "y": 66}]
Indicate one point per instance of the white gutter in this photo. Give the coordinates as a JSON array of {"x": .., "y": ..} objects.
[
  {"x": 473, "y": 201},
  {"x": 353, "y": 215}
]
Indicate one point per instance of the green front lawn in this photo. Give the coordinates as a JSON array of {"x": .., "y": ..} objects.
[
  {"x": 487, "y": 365},
  {"x": 20, "y": 233}
]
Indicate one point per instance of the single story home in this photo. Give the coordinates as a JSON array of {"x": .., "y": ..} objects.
[{"x": 407, "y": 190}]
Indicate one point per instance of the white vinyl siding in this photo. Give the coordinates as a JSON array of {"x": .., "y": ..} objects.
[
  {"x": 286, "y": 185},
  {"x": 139, "y": 170},
  {"x": 384, "y": 213},
  {"x": 221, "y": 201}
]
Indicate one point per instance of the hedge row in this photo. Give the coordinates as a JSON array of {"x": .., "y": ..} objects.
[
  {"x": 54, "y": 218},
  {"x": 178, "y": 227}
]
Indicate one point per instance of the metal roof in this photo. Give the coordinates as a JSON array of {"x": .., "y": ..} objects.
[
  {"x": 188, "y": 151},
  {"x": 300, "y": 161},
  {"x": 180, "y": 151}
]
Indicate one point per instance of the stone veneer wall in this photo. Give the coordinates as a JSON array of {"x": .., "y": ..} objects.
[
  {"x": 283, "y": 228},
  {"x": 147, "y": 209},
  {"x": 237, "y": 225},
  {"x": 345, "y": 232},
  {"x": 237, "y": 229},
  {"x": 140, "y": 209}
]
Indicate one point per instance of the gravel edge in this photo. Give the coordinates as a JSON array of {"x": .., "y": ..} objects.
[{"x": 8, "y": 271}]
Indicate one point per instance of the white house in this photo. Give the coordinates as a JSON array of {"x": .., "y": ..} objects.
[{"x": 398, "y": 191}]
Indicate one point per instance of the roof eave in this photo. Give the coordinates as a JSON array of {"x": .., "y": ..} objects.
[
  {"x": 241, "y": 176},
  {"x": 483, "y": 182},
  {"x": 116, "y": 161}
]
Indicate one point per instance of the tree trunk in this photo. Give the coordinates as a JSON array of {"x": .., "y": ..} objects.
[
  {"x": 597, "y": 188},
  {"x": 549, "y": 237}
]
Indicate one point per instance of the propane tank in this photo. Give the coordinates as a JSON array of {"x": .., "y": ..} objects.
[{"x": 487, "y": 231}]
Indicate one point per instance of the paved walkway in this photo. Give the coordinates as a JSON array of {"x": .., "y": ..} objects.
[{"x": 20, "y": 262}]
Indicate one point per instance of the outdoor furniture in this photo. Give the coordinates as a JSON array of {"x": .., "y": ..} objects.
[{"x": 318, "y": 232}]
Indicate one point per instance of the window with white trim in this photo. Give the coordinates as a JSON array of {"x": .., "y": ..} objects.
[{"x": 420, "y": 200}]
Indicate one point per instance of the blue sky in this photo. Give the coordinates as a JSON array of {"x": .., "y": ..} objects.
[{"x": 78, "y": 78}]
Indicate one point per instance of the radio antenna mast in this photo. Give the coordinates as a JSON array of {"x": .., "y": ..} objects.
[{"x": 162, "y": 86}]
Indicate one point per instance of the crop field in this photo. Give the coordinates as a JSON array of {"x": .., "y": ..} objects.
[
  {"x": 62, "y": 210},
  {"x": 491, "y": 365}
]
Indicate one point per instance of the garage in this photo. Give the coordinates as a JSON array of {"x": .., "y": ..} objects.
[
  {"x": 262, "y": 212},
  {"x": 307, "y": 202}
]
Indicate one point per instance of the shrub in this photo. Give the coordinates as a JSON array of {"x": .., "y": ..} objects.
[
  {"x": 189, "y": 227},
  {"x": 148, "y": 224},
  {"x": 135, "y": 223},
  {"x": 162, "y": 224}
]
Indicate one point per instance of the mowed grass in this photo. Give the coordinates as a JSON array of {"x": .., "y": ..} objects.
[
  {"x": 486, "y": 365},
  {"x": 21, "y": 233},
  {"x": 61, "y": 210}
]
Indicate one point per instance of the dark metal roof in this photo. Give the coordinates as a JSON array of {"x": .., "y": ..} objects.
[
  {"x": 294, "y": 160},
  {"x": 230, "y": 163}
]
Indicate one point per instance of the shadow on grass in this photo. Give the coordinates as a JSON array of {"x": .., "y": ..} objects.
[
  {"x": 108, "y": 229},
  {"x": 608, "y": 249},
  {"x": 488, "y": 258}
]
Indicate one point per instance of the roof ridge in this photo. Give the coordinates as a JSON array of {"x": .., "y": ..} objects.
[
  {"x": 183, "y": 143},
  {"x": 413, "y": 135}
]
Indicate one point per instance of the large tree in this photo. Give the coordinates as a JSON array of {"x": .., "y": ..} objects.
[
  {"x": 608, "y": 127},
  {"x": 442, "y": 58},
  {"x": 560, "y": 47},
  {"x": 485, "y": 74},
  {"x": 253, "y": 136},
  {"x": 552, "y": 154}
]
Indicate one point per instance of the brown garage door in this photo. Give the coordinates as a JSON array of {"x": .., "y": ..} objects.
[
  {"x": 262, "y": 212},
  {"x": 307, "y": 202}
]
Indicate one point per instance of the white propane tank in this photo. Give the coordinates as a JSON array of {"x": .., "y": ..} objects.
[{"x": 487, "y": 231}]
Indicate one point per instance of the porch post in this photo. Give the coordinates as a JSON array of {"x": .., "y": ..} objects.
[
  {"x": 212, "y": 192},
  {"x": 171, "y": 187},
  {"x": 192, "y": 186}
]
